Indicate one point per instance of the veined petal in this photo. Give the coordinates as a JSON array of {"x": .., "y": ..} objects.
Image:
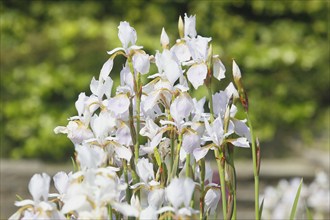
[
  {"x": 240, "y": 142},
  {"x": 141, "y": 62},
  {"x": 181, "y": 51},
  {"x": 123, "y": 152},
  {"x": 200, "y": 153},
  {"x": 119, "y": 104},
  {"x": 190, "y": 141},
  {"x": 196, "y": 74},
  {"x": 212, "y": 198}
]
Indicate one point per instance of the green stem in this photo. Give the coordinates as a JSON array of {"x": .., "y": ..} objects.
[
  {"x": 176, "y": 161},
  {"x": 128, "y": 192},
  {"x": 138, "y": 111},
  {"x": 188, "y": 173},
  {"x": 255, "y": 169},
  {"x": 202, "y": 193},
  {"x": 218, "y": 156},
  {"x": 220, "y": 163}
]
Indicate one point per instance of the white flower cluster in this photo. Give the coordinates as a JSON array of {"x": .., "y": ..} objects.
[
  {"x": 315, "y": 197},
  {"x": 133, "y": 148}
]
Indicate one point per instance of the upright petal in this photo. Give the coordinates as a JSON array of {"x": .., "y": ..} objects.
[
  {"x": 141, "y": 62},
  {"x": 127, "y": 34},
  {"x": 190, "y": 26},
  {"x": 106, "y": 69}
]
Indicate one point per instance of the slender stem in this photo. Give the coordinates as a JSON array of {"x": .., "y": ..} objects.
[
  {"x": 188, "y": 173},
  {"x": 255, "y": 169},
  {"x": 138, "y": 111},
  {"x": 218, "y": 154},
  {"x": 176, "y": 161},
  {"x": 128, "y": 192},
  {"x": 220, "y": 162},
  {"x": 202, "y": 194},
  {"x": 110, "y": 211}
]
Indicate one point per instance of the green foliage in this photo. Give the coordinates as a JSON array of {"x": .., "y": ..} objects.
[{"x": 51, "y": 49}]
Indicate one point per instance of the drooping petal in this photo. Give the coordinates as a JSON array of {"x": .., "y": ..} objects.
[
  {"x": 145, "y": 170},
  {"x": 240, "y": 142},
  {"x": 190, "y": 141},
  {"x": 74, "y": 203},
  {"x": 148, "y": 213},
  {"x": 211, "y": 199},
  {"x": 90, "y": 157},
  {"x": 196, "y": 74},
  {"x": 156, "y": 197},
  {"x": 123, "y": 135},
  {"x": 175, "y": 192},
  {"x": 189, "y": 186},
  {"x": 200, "y": 152},
  {"x": 181, "y": 107},
  {"x": 123, "y": 152},
  {"x": 119, "y": 104},
  {"x": 242, "y": 129},
  {"x": 181, "y": 51},
  {"x": 126, "y": 209}
]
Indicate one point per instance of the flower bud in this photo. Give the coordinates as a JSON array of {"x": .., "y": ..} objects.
[
  {"x": 164, "y": 40},
  {"x": 181, "y": 27},
  {"x": 237, "y": 79}
]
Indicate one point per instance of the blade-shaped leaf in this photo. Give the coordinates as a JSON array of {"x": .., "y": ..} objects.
[
  {"x": 295, "y": 203},
  {"x": 261, "y": 207}
]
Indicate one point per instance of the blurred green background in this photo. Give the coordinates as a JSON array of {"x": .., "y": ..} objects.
[{"x": 50, "y": 50}]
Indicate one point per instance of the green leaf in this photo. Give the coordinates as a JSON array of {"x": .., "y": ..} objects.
[
  {"x": 309, "y": 214},
  {"x": 157, "y": 156},
  {"x": 74, "y": 165},
  {"x": 261, "y": 207},
  {"x": 19, "y": 197},
  {"x": 295, "y": 203}
]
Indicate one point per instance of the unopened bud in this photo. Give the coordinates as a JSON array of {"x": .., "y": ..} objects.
[
  {"x": 181, "y": 27},
  {"x": 164, "y": 40},
  {"x": 237, "y": 79}
]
